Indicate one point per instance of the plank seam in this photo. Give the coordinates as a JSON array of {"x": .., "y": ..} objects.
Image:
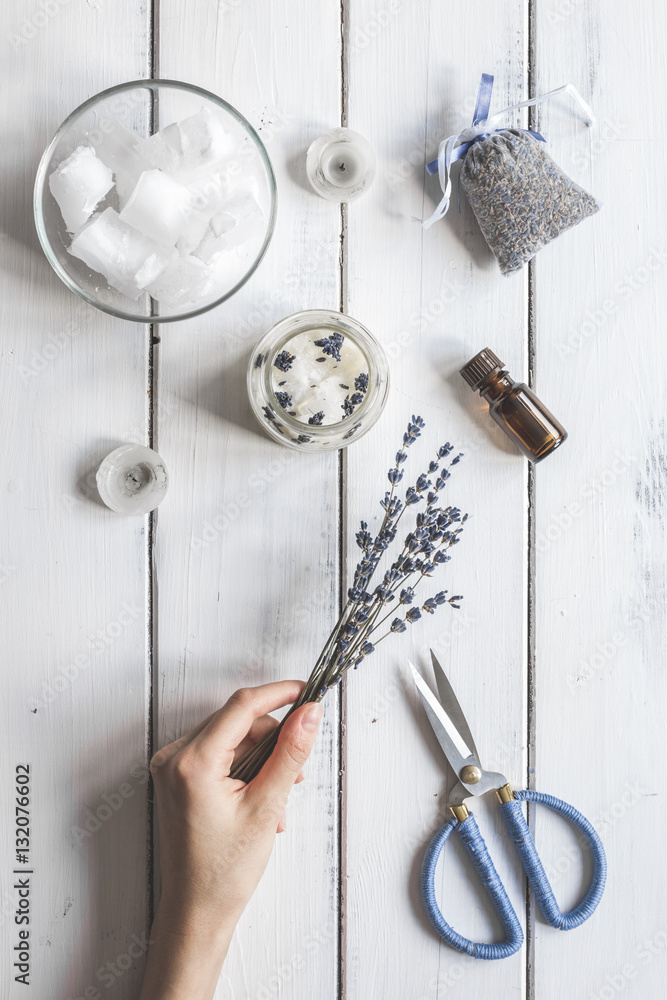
[
  {"x": 530, "y": 566},
  {"x": 151, "y": 522},
  {"x": 342, "y": 553}
]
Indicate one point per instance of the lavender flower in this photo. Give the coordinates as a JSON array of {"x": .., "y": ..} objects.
[
  {"x": 361, "y": 382},
  {"x": 284, "y": 399},
  {"x": 366, "y": 619},
  {"x": 284, "y": 361},
  {"x": 364, "y": 537},
  {"x": 331, "y": 345},
  {"x": 316, "y": 418}
]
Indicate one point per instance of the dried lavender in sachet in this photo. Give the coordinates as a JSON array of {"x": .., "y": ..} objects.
[{"x": 521, "y": 198}]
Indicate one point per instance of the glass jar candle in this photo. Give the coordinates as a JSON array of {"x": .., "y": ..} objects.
[{"x": 318, "y": 380}]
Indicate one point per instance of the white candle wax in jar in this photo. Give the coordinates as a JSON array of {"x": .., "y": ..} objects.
[
  {"x": 340, "y": 165},
  {"x": 320, "y": 377}
]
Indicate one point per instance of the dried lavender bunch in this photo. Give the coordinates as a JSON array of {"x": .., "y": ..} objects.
[{"x": 364, "y": 622}]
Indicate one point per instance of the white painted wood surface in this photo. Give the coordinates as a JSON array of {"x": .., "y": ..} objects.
[
  {"x": 246, "y": 551},
  {"x": 74, "y": 702},
  {"x": 435, "y": 298},
  {"x": 557, "y": 651}
]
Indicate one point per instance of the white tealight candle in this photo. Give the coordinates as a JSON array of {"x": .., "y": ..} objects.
[
  {"x": 132, "y": 480},
  {"x": 340, "y": 165}
]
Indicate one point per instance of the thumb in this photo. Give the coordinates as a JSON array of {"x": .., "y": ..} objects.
[{"x": 296, "y": 739}]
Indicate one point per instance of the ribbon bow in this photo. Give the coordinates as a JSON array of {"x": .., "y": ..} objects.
[{"x": 456, "y": 146}]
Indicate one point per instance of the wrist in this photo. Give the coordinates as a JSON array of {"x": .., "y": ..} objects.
[{"x": 185, "y": 956}]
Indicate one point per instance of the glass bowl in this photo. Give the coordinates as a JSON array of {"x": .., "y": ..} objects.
[
  {"x": 318, "y": 380},
  {"x": 146, "y": 106}
]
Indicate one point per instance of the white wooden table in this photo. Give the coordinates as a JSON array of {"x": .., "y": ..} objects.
[{"x": 120, "y": 634}]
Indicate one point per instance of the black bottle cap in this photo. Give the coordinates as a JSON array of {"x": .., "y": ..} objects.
[{"x": 479, "y": 368}]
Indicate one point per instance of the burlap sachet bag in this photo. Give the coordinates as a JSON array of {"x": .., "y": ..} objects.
[{"x": 521, "y": 198}]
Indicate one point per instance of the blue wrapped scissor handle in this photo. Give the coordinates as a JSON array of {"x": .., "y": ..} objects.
[{"x": 474, "y": 844}]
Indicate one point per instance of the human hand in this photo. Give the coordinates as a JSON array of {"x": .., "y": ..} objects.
[{"x": 216, "y": 833}]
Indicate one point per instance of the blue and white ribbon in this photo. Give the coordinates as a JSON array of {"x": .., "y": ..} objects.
[{"x": 456, "y": 146}]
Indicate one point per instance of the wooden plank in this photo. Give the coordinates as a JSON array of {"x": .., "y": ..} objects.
[
  {"x": 434, "y": 299},
  {"x": 74, "y": 705},
  {"x": 246, "y": 552},
  {"x": 600, "y": 538}
]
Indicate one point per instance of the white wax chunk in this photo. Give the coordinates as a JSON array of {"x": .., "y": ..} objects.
[
  {"x": 210, "y": 245},
  {"x": 228, "y": 267},
  {"x": 209, "y": 193},
  {"x": 78, "y": 184},
  {"x": 193, "y": 233},
  {"x": 185, "y": 279},
  {"x": 159, "y": 207},
  {"x": 192, "y": 147},
  {"x": 159, "y": 152},
  {"x": 212, "y": 242},
  {"x": 245, "y": 209},
  {"x": 119, "y": 149},
  {"x": 224, "y": 233},
  {"x": 222, "y": 223},
  {"x": 154, "y": 265},
  {"x": 318, "y": 386},
  {"x": 115, "y": 249},
  {"x": 241, "y": 222}
]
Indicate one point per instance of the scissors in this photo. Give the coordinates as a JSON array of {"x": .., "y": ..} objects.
[{"x": 454, "y": 736}]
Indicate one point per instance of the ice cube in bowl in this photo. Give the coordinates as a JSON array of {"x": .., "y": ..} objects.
[{"x": 158, "y": 208}]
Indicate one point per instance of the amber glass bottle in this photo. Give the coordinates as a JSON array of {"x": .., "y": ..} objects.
[{"x": 514, "y": 407}]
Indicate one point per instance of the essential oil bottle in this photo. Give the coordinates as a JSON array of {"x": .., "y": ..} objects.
[{"x": 514, "y": 406}]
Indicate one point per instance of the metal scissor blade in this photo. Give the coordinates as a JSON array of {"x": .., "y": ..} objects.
[
  {"x": 453, "y": 745},
  {"x": 451, "y": 705}
]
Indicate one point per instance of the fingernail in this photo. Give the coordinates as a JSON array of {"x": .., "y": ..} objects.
[{"x": 311, "y": 719}]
